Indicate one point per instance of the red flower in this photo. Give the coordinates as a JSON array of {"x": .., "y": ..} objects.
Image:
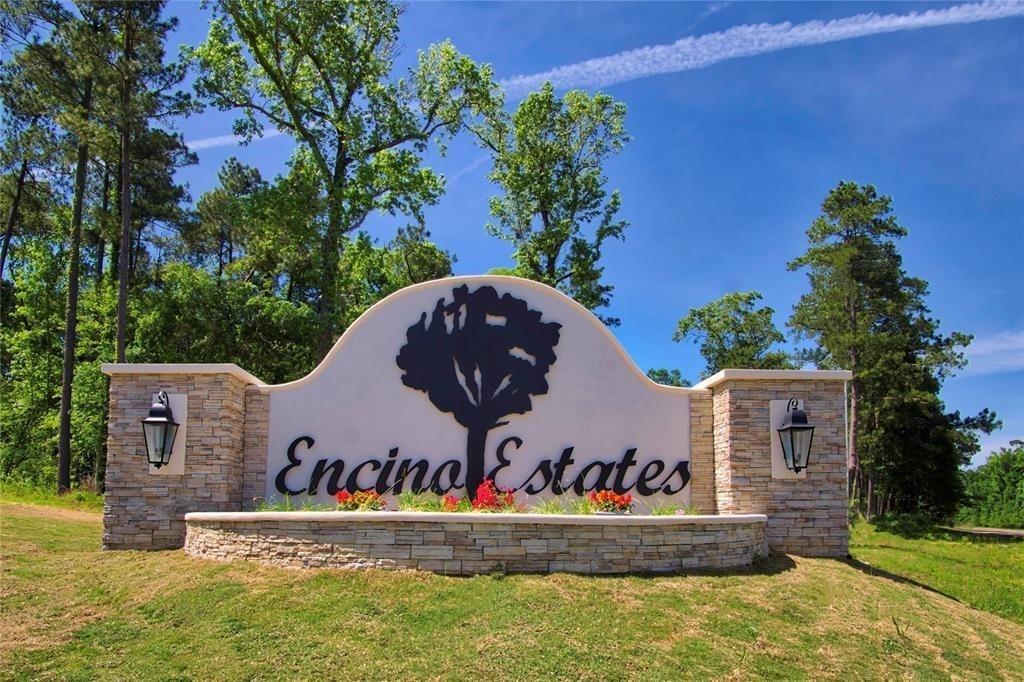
[
  {"x": 449, "y": 503},
  {"x": 609, "y": 500},
  {"x": 360, "y": 500},
  {"x": 490, "y": 498}
]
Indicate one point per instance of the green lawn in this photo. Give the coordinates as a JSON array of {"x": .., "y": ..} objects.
[
  {"x": 983, "y": 573},
  {"x": 70, "y": 611}
]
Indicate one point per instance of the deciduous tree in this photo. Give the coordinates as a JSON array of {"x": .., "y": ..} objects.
[
  {"x": 548, "y": 160},
  {"x": 326, "y": 79},
  {"x": 734, "y": 333}
]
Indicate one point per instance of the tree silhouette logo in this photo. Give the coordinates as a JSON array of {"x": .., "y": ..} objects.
[{"x": 481, "y": 357}]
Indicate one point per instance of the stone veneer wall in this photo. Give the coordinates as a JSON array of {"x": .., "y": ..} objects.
[
  {"x": 702, "y": 452},
  {"x": 466, "y": 544},
  {"x": 146, "y": 511},
  {"x": 226, "y": 449},
  {"x": 805, "y": 516},
  {"x": 254, "y": 454}
]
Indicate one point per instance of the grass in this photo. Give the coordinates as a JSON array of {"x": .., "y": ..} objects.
[
  {"x": 71, "y": 611},
  {"x": 77, "y": 498},
  {"x": 980, "y": 572}
]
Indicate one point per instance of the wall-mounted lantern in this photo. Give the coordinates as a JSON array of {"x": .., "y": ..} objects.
[
  {"x": 796, "y": 436},
  {"x": 159, "y": 429}
]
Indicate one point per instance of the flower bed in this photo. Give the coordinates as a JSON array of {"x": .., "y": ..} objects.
[{"x": 478, "y": 542}]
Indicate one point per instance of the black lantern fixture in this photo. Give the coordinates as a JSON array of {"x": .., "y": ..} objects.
[
  {"x": 796, "y": 436},
  {"x": 159, "y": 428}
]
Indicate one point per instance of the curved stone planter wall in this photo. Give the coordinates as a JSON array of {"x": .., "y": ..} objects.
[{"x": 466, "y": 544}]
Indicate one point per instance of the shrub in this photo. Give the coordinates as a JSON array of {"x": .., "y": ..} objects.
[{"x": 995, "y": 490}]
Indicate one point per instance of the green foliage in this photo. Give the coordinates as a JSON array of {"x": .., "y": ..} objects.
[
  {"x": 733, "y": 333},
  {"x": 668, "y": 377},
  {"x": 867, "y": 315},
  {"x": 31, "y": 348},
  {"x": 223, "y": 227},
  {"x": 994, "y": 492},
  {"x": 325, "y": 78},
  {"x": 548, "y": 160},
  {"x": 553, "y": 505},
  {"x": 192, "y": 316},
  {"x": 664, "y": 509},
  {"x": 286, "y": 504}
]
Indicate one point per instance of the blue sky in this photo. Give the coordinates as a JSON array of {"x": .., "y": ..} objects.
[{"x": 737, "y": 136}]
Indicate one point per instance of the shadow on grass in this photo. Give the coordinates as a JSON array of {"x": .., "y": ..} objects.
[
  {"x": 920, "y": 527},
  {"x": 868, "y": 569},
  {"x": 761, "y": 567}
]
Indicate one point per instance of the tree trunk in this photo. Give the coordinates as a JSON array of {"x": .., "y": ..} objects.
[
  {"x": 126, "y": 191},
  {"x": 101, "y": 245},
  {"x": 12, "y": 215},
  {"x": 476, "y": 451},
  {"x": 71, "y": 323},
  {"x": 871, "y": 497},
  {"x": 326, "y": 307},
  {"x": 853, "y": 461}
]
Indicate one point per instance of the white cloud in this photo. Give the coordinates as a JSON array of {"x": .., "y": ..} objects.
[
  {"x": 696, "y": 52},
  {"x": 997, "y": 354}
]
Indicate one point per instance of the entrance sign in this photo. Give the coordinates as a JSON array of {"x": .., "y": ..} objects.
[{"x": 445, "y": 383}]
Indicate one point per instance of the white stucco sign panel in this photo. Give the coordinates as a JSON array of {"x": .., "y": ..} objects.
[{"x": 463, "y": 378}]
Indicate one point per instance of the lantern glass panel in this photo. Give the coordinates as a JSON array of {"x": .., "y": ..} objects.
[
  {"x": 802, "y": 446},
  {"x": 156, "y": 439},
  {"x": 786, "y": 440},
  {"x": 172, "y": 430}
]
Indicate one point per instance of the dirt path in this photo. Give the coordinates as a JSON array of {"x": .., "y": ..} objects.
[
  {"x": 1008, "y": 533},
  {"x": 22, "y": 509}
]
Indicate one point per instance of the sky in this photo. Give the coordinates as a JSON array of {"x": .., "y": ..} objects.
[{"x": 742, "y": 116}]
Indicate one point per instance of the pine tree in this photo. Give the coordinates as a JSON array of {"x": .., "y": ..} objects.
[{"x": 867, "y": 315}]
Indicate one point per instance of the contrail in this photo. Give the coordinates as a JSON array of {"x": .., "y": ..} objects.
[
  {"x": 224, "y": 140},
  {"x": 697, "y": 52},
  {"x": 747, "y": 40}
]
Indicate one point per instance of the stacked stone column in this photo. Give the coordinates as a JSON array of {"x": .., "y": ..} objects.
[
  {"x": 806, "y": 516},
  {"x": 146, "y": 511}
]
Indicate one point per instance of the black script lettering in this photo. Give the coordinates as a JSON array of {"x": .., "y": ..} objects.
[
  {"x": 435, "y": 482},
  {"x": 422, "y": 467},
  {"x": 628, "y": 460},
  {"x": 580, "y": 486},
  {"x": 683, "y": 469},
  {"x": 544, "y": 469},
  {"x": 382, "y": 480},
  {"x": 563, "y": 462},
  {"x": 353, "y": 477},
  {"x": 646, "y": 477},
  {"x": 502, "y": 459},
  {"x": 336, "y": 468},
  {"x": 280, "y": 482}
]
